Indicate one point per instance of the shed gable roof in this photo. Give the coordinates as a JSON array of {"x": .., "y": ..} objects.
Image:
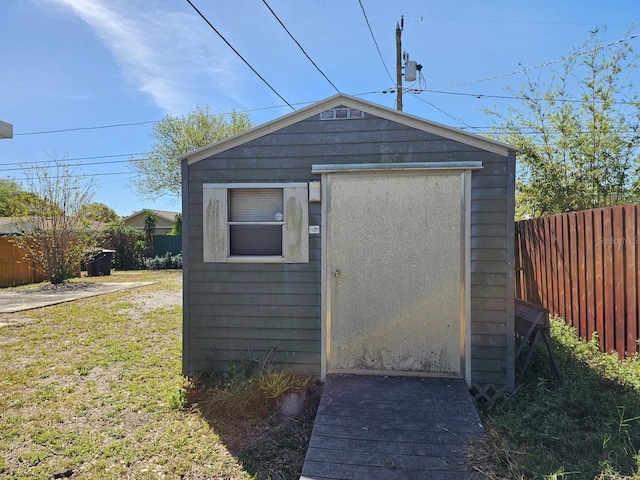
[{"x": 342, "y": 100}]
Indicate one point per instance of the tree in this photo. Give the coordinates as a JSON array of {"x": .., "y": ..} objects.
[
  {"x": 99, "y": 212},
  {"x": 176, "y": 228},
  {"x": 14, "y": 200},
  {"x": 160, "y": 172},
  {"x": 150, "y": 221},
  {"x": 579, "y": 137},
  {"x": 56, "y": 235},
  {"x": 128, "y": 243}
]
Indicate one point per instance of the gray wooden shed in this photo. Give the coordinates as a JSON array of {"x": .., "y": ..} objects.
[{"x": 348, "y": 237}]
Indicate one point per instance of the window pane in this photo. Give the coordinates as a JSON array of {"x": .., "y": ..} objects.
[
  {"x": 255, "y": 240},
  {"x": 255, "y": 204}
]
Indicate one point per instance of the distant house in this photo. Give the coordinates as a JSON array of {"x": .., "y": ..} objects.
[
  {"x": 6, "y": 130},
  {"x": 164, "y": 220},
  {"x": 8, "y": 226}
]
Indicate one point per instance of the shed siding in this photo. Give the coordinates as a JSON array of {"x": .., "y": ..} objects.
[{"x": 248, "y": 310}]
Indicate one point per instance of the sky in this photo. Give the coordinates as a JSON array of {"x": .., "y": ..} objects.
[{"x": 83, "y": 81}]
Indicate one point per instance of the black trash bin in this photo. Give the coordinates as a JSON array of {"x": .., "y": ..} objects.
[{"x": 100, "y": 263}]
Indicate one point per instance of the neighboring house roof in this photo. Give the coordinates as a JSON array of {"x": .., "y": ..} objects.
[
  {"x": 164, "y": 214},
  {"x": 342, "y": 100},
  {"x": 6, "y": 130},
  {"x": 17, "y": 226},
  {"x": 7, "y": 226}
]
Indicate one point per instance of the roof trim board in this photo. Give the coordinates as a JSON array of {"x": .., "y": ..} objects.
[
  {"x": 393, "y": 167},
  {"x": 338, "y": 100}
]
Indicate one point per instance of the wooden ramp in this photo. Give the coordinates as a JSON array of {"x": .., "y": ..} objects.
[{"x": 376, "y": 427}]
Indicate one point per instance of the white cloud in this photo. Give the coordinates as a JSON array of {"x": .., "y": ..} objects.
[{"x": 169, "y": 55}]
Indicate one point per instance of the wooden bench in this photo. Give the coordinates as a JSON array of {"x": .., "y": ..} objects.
[{"x": 532, "y": 326}]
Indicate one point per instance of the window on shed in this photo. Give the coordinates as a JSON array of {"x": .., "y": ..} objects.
[{"x": 255, "y": 223}]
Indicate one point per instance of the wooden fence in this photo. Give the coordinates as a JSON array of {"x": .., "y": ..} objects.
[
  {"x": 585, "y": 267},
  {"x": 14, "y": 270}
]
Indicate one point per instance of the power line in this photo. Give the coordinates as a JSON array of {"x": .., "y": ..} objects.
[
  {"x": 529, "y": 22},
  {"x": 110, "y": 162},
  {"x": 83, "y": 128},
  {"x": 81, "y": 175},
  {"x": 238, "y": 54},
  {"x": 542, "y": 65},
  {"x": 273, "y": 107},
  {"x": 300, "y": 46},
  {"x": 374, "y": 40},
  {"x": 441, "y": 110},
  {"x": 506, "y": 97},
  {"x": 118, "y": 180},
  {"x": 80, "y": 158},
  {"x": 390, "y": 90}
]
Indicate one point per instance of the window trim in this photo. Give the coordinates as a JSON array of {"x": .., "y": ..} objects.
[{"x": 221, "y": 254}]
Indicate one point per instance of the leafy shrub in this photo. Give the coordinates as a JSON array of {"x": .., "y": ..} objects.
[
  {"x": 128, "y": 243},
  {"x": 165, "y": 262}
]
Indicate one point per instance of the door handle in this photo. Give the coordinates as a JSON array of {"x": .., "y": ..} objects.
[{"x": 336, "y": 273}]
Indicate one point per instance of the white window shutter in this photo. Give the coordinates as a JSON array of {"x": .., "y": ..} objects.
[
  {"x": 295, "y": 238},
  {"x": 214, "y": 223}
]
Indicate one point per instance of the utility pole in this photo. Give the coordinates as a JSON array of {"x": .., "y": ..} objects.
[
  {"x": 412, "y": 70},
  {"x": 399, "y": 27}
]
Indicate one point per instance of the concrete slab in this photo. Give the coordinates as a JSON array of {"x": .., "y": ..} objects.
[{"x": 27, "y": 299}]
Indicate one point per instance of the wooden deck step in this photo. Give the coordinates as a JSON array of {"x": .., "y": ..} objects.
[{"x": 386, "y": 427}]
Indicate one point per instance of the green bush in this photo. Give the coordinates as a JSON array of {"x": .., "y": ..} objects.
[
  {"x": 128, "y": 243},
  {"x": 165, "y": 262}
]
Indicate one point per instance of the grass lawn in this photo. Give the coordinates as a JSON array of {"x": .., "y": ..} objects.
[
  {"x": 93, "y": 390},
  {"x": 588, "y": 427}
]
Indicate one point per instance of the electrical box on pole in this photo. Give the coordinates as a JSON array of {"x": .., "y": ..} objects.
[{"x": 411, "y": 68}]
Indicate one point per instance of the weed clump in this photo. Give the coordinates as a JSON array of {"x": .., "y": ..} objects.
[
  {"x": 241, "y": 405},
  {"x": 586, "y": 427}
]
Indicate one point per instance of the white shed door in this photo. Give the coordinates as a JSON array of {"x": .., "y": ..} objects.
[{"x": 394, "y": 273}]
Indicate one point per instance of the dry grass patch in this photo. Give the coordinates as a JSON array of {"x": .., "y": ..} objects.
[{"x": 92, "y": 388}]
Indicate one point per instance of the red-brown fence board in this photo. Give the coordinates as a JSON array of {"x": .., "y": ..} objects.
[
  {"x": 631, "y": 301},
  {"x": 607, "y": 261},
  {"x": 582, "y": 272},
  {"x": 585, "y": 267},
  {"x": 14, "y": 268},
  {"x": 555, "y": 264},
  {"x": 573, "y": 267},
  {"x": 563, "y": 250},
  {"x": 599, "y": 270}
]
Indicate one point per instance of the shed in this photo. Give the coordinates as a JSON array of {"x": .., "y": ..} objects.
[{"x": 347, "y": 237}]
